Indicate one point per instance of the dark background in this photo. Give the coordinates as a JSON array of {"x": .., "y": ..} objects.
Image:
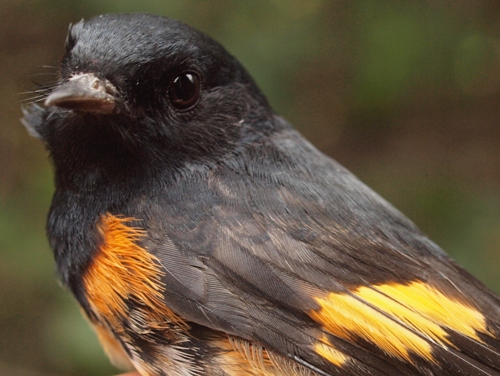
[{"x": 404, "y": 94}]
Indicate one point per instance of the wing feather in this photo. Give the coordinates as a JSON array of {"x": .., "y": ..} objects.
[{"x": 293, "y": 252}]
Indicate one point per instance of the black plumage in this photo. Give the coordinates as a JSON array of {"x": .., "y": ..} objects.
[{"x": 255, "y": 232}]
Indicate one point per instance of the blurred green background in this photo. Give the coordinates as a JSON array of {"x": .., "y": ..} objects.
[{"x": 404, "y": 94}]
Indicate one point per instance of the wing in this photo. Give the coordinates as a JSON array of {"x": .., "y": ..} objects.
[{"x": 310, "y": 272}]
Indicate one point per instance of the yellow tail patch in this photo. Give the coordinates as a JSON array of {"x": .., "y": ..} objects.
[{"x": 400, "y": 319}]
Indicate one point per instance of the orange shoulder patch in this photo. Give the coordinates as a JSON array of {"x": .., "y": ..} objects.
[
  {"x": 122, "y": 273},
  {"x": 124, "y": 289},
  {"x": 400, "y": 319}
]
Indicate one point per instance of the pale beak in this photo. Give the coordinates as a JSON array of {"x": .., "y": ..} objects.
[{"x": 84, "y": 93}]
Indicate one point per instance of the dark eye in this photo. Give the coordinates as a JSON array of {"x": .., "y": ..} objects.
[{"x": 184, "y": 91}]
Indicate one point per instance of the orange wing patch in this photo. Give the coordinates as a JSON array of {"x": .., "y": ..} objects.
[
  {"x": 435, "y": 307},
  {"x": 399, "y": 319},
  {"x": 325, "y": 349}
]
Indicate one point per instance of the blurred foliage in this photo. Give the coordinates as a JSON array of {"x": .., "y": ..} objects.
[{"x": 405, "y": 94}]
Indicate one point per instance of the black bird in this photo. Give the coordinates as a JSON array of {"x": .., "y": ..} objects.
[{"x": 203, "y": 235}]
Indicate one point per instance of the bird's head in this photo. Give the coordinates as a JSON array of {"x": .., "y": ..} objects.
[{"x": 144, "y": 86}]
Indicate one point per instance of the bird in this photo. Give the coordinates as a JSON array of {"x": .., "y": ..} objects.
[{"x": 201, "y": 234}]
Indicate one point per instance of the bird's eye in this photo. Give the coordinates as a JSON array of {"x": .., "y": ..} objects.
[{"x": 184, "y": 91}]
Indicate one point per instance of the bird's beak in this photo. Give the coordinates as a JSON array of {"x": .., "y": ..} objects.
[{"x": 84, "y": 93}]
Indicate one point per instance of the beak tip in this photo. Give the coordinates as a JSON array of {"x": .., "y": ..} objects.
[
  {"x": 51, "y": 100},
  {"x": 83, "y": 93}
]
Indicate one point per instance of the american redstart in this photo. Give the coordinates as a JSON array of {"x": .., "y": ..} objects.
[{"x": 203, "y": 235}]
